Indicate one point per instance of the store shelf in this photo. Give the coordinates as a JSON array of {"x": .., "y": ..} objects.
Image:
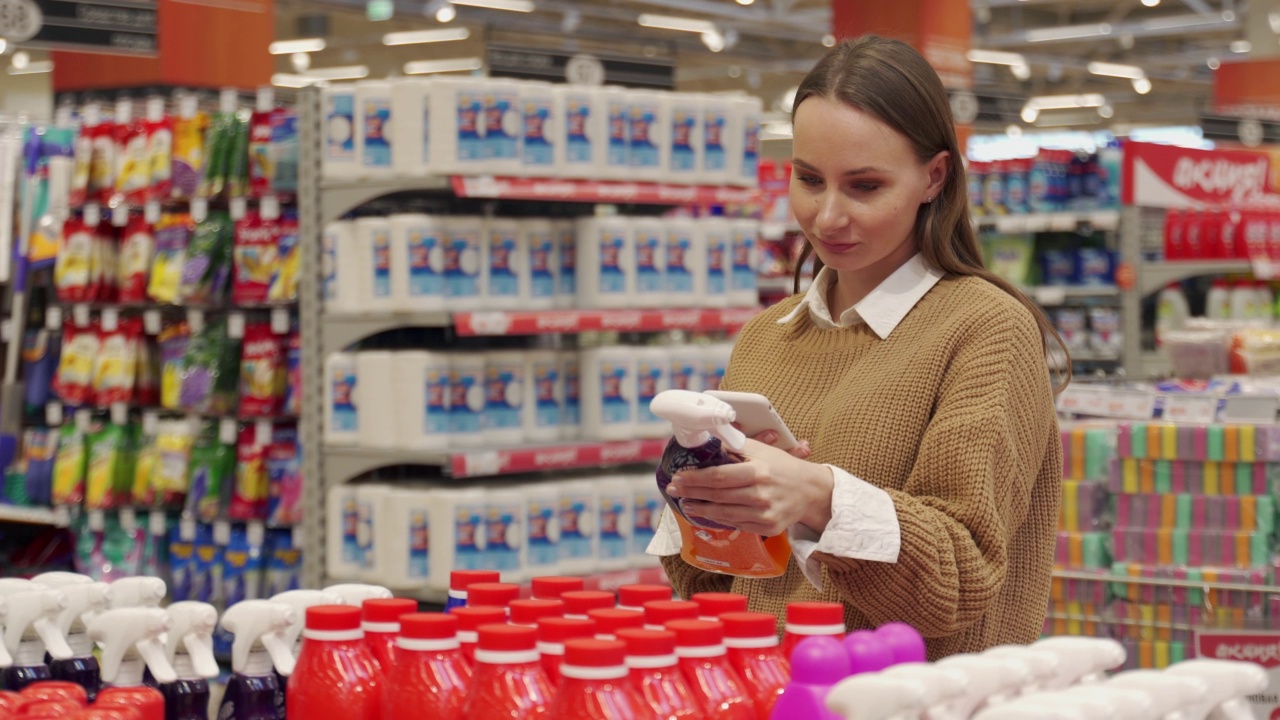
[
  {"x": 780, "y": 284},
  {"x": 30, "y": 515},
  {"x": 1063, "y": 294},
  {"x": 598, "y": 191},
  {"x": 607, "y": 581},
  {"x": 1051, "y": 222},
  {"x": 341, "y": 331},
  {"x": 341, "y": 196},
  {"x": 344, "y": 463},
  {"x": 1156, "y": 275},
  {"x": 778, "y": 230}
]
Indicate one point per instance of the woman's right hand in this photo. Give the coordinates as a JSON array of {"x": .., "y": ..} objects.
[{"x": 770, "y": 437}]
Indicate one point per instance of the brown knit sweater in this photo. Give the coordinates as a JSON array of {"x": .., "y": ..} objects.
[{"x": 953, "y": 415}]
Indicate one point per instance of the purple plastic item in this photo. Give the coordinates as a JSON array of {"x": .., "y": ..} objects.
[
  {"x": 867, "y": 652},
  {"x": 817, "y": 664},
  {"x": 903, "y": 641}
]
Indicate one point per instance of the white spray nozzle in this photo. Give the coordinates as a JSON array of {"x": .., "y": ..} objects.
[
  {"x": 945, "y": 685},
  {"x": 1229, "y": 683},
  {"x": 85, "y": 602},
  {"x": 137, "y": 592},
  {"x": 1081, "y": 659},
  {"x": 1042, "y": 663},
  {"x": 9, "y": 586},
  {"x": 300, "y": 600},
  {"x": 1040, "y": 707},
  {"x": 33, "y": 614},
  {"x": 261, "y": 624},
  {"x": 356, "y": 593},
  {"x": 6, "y": 660},
  {"x": 129, "y": 632},
  {"x": 694, "y": 417},
  {"x": 58, "y": 580},
  {"x": 191, "y": 626},
  {"x": 1094, "y": 707},
  {"x": 878, "y": 696},
  {"x": 1170, "y": 693},
  {"x": 988, "y": 680},
  {"x": 1130, "y": 703}
]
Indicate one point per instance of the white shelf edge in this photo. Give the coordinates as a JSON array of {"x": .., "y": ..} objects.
[
  {"x": 32, "y": 515},
  {"x": 1156, "y": 275}
]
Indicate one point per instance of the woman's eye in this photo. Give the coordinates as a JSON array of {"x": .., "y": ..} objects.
[
  {"x": 808, "y": 179},
  {"x": 866, "y": 187}
]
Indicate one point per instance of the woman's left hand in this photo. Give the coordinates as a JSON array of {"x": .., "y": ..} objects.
[{"x": 765, "y": 495}]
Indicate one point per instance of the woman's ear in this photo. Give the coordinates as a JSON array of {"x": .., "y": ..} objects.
[{"x": 938, "y": 169}]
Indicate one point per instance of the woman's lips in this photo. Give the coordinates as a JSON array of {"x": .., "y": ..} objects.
[{"x": 838, "y": 247}]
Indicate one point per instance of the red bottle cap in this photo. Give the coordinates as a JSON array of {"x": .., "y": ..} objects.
[
  {"x": 507, "y": 638},
  {"x": 648, "y": 642},
  {"x": 635, "y": 596},
  {"x": 462, "y": 579},
  {"x": 429, "y": 626},
  {"x": 715, "y": 604},
  {"x": 610, "y": 620},
  {"x": 661, "y": 612},
  {"x": 388, "y": 610},
  {"x": 815, "y": 613},
  {"x": 560, "y": 629},
  {"x": 107, "y": 713},
  {"x": 749, "y": 625},
  {"x": 697, "y": 633},
  {"x": 56, "y": 690},
  {"x": 529, "y": 612},
  {"x": 582, "y": 652},
  {"x": 472, "y": 617},
  {"x": 492, "y": 594},
  {"x": 333, "y": 618},
  {"x": 41, "y": 708},
  {"x": 553, "y": 586},
  {"x": 581, "y": 602}
]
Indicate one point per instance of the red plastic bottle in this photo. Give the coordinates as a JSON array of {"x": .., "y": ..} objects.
[
  {"x": 431, "y": 677},
  {"x": 337, "y": 677},
  {"x": 580, "y": 602},
  {"x": 382, "y": 624},
  {"x": 594, "y": 684},
  {"x": 552, "y": 634},
  {"x": 656, "y": 675},
  {"x": 706, "y": 667},
  {"x": 610, "y": 620},
  {"x": 147, "y": 701},
  {"x": 1174, "y": 240},
  {"x": 509, "y": 682},
  {"x": 56, "y": 690},
  {"x": 40, "y": 709},
  {"x": 529, "y": 612},
  {"x": 711, "y": 605},
  {"x": 806, "y": 619},
  {"x": 752, "y": 642},
  {"x": 9, "y": 701},
  {"x": 492, "y": 594},
  {"x": 106, "y": 713},
  {"x": 551, "y": 587},
  {"x": 660, "y": 612},
  {"x": 470, "y": 618},
  {"x": 633, "y": 597},
  {"x": 460, "y": 580}
]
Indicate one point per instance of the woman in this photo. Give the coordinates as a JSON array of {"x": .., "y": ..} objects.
[{"x": 928, "y": 490}]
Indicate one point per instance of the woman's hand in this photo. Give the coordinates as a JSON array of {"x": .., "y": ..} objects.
[{"x": 765, "y": 495}]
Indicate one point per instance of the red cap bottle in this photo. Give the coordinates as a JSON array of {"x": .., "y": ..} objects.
[
  {"x": 509, "y": 681},
  {"x": 551, "y": 587},
  {"x": 594, "y": 683},
  {"x": 711, "y": 605},
  {"x": 492, "y": 594},
  {"x": 39, "y": 709},
  {"x": 460, "y": 580},
  {"x": 106, "y": 713},
  {"x": 610, "y": 620},
  {"x": 529, "y": 612},
  {"x": 634, "y": 597},
  {"x": 431, "y": 677},
  {"x": 656, "y": 675},
  {"x": 56, "y": 690},
  {"x": 752, "y": 643},
  {"x": 658, "y": 613},
  {"x": 470, "y": 619},
  {"x": 9, "y": 701},
  {"x": 552, "y": 635},
  {"x": 382, "y": 624},
  {"x": 580, "y": 602},
  {"x": 337, "y": 677},
  {"x": 807, "y": 619},
  {"x": 705, "y": 664}
]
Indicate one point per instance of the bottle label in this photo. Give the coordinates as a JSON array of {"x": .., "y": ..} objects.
[
  {"x": 614, "y": 535},
  {"x": 350, "y": 532},
  {"x": 542, "y": 279},
  {"x": 751, "y": 148},
  {"x": 676, "y": 458},
  {"x": 679, "y": 277},
  {"x": 547, "y": 410},
  {"x": 619, "y": 125},
  {"x": 613, "y": 278},
  {"x": 436, "y": 417},
  {"x": 616, "y": 409},
  {"x": 377, "y": 144},
  {"x": 716, "y": 248},
  {"x": 502, "y": 125},
  {"x": 544, "y": 535},
  {"x": 382, "y": 263},
  {"x": 650, "y": 377},
  {"x": 538, "y": 150},
  {"x": 426, "y": 248},
  {"x": 576, "y": 118},
  {"x": 470, "y": 144},
  {"x": 504, "y": 395},
  {"x": 469, "y": 538},
  {"x": 744, "y": 251},
  {"x": 646, "y": 512},
  {"x": 503, "y": 279},
  {"x": 340, "y": 118},
  {"x": 712, "y": 375},
  {"x": 343, "y": 410},
  {"x": 649, "y": 276},
  {"x": 684, "y": 375},
  {"x": 364, "y": 533},
  {"x": 684, "y": 126},
  {"x": 503, "y": 530},
  {"x": 466, "y": 402},
  {"x": 419, "y": 544},
  {"x": 577, "y": 528},
  {"x": 713, "y": 155},
  {"x": 644, "y": 151},
  {"x": 462, "y": 264}
]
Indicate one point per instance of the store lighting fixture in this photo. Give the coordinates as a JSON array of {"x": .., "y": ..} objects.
[
  {"x": 1016, "y": 62},
  {"x": 301, "y": 61},
  {"x": 1213, "y": 63},
  {"x": 1141, "y": 85},
  {"x": 671, "y": 22},
  {"x": 714, "y": 41},
  {"x": 1068, "y": 32},
  {"x": 520, "y": 6},
  {"x": 36, "y": 67},
  {"x": 1241, "y": 47},
  {"x": 291, "y": 80},
  {"x": 1013, "y": 131},
  {"x": 779, "y": 130},
  {"x": 446, "y": 13},
  {"x": 1273, "y": 19},
  {"x": 1022, "y": 72},
  {"x": 1175, "y": 22},
  {"x": 828, "y": 40},
  {"x": 1151, "y": 3},
  {"x": 746, "y": 2},
  {"x": 1029, "y": 114},
  {"x": 301, "y": 45},
  {"x": 1106, "y": 112},
  {"x": 1129, "y": 72},
  {"x": 4, "y": 46},
  {"x": 1035, "y": 105},
  {"x": 20, "y": 60},
  {"x": 342, "y": 72},
  {"x": 431, "y": 67},
  {"x": 417, "y": 37}
]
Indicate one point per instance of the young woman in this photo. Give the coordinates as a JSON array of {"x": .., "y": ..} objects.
[{"x": 928, "y": 490}]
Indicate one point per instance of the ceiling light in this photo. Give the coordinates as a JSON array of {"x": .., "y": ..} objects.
[
  {"x": 1068, "y": 32},
  {"x": 746, "y": 2},
  {"x": 1034, "y": 105},
  {"x": 995, "y": 57},
  {"x": 1241, "y": 46},
  {"x": 776, "y": 130},
  {"x": 1273, "y": 19},
  {"x": 1013, "y": 131},
  {"x": 36, "y": 67},
  {"x": 300, "y": 61},
  {"x": 828, "y": 40},
  {"x": 4, "y": 46},
  {"x": 1213, "y": 63},
  {"x": 1174, "y": 22},
  {"x": 1021, "y": 71},
  {"x": 1106, "y": 111},
  {"x": 671, "y": 22},
  {"x": 1129, "y": 72},
  {"x": 714, "y": 41},
  {"x": 735, "y": 71},
  {"x": 21, "y": 60},
  {"x": 787, "y": 102},
  {"x": 290, "y": 80},
  {"x": 342, "y": 72},
  {"x": 1029, "y": 114},
  {"x": 1141, "y": 85},
  {"x": 521, "y": 6},
  {"x": 430, "y": 67},
  {"x": 302, "y": 45},
  {"x": 1151, "y": 3},
  {"x": 416, "y": 37},
  {"x": 446, "y": 14}
]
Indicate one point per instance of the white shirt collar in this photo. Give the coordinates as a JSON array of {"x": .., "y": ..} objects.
[{"x": 882, "y": 309}]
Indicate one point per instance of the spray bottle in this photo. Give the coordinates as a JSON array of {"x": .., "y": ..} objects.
[
  {"x": 354, "y": 594},
  {"x": 189, "y": 649},
  {"x": 30, "y": 628},
  {"x": 262, "y": 649},
  {"x": 989, "y": 681},
  {"x": 1081, "y": 660},
  {"x": 85, "y": 602},
  {"x": 299, "y": 601},
  {"x": 1095, "y": 706},
  {"x": 705, "y": 437},
  {"x": 890, "y": 695},
  {"x": 1175, "y": 692},
  {"x": 1042, "y": 664},
  {"x": 137, "y": 592},
  {"x": 1229, "y": 685},
  {"x": 132, "y": 642}
]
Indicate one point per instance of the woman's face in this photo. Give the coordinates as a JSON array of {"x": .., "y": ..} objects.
[{"x": 856, "y": 185}]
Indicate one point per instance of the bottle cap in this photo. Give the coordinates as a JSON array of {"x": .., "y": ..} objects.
[
  {"x": 428, "y": 626},
  {"x": 529, "y": 612},
  {"x": 635, "y": 596},
  {"x": 1228, "y": 683},
  {"x": 119, "y": 712},
  {"x": 903, "y": 641},
  {"x": 815, "y": 613},
  {"x": 85, "y": 601},
  {"x": 37, "y": 610},
  {"x": 749, "y": 625},
  {"x": 580, "y": 602},
  {"x": 387, "y": 610},
  {"x": 462, "y": 579},
  {"x": 867, "y": 652},
  {"x": 492, "y": 594},
  {"x": 506, "y": 638},
  {"x": 661, "y": 612},
  {"x": 137, "y": 592},
  {"x": 697, "y": 633},
  {"x": 560, "y": 629},
  {"x": 40, "y": 709},
  {"x": 300, "y": 600},
  {"x": 819, "y": 660},
  {"x": 472, "y": 617},
  {"x": 56, "y": 690},
  {"x": 333, "y": 618},
  {"x": 648, "y": 642},
  {"x": 610, "y": 620},
  {"x": 584, "y": 652},
  {"x": 1177, "y": 692},
  {"x": 128, "y": 632},
  {"x": 715, "y": 604},
  {"x": 695, "y": 416},
  {"x": 553, "y": 586}
]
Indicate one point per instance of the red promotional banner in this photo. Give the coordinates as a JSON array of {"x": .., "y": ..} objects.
[
  {"x": 1166, "y": 176},
  {"x": 1248, "y": 88},
  {"x": 1260, "y": 647}
]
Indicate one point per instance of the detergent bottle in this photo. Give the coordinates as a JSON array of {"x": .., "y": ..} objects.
[
  {"x": 132, "y": 643},
  {"x": 299, "y": 601},
  {"x": 31, "y": 628},
  {"x": 657, "y": 613},
  {"x": 553, "y": 632},
  {"x": 711, "y": 605},
  {"x": 189, "y": 649},
  {"x": 382, "y": 625},
  {"x": 492, "y": 594},
  {"x": 580, "y": 602},
  {"x": 57, "y": 690},
  {"x": 337, "y": 677},
  {"x": 86, "y": 600},
  {"x": 610, "y": 620},
  {"x": 529, "y": 612},
  {"x": 656, "y": 676},
  {"x": 431, "y": 677},
  {"x": 751, "y": 640},
  {"x": 261, "y": 653},
  {"x": 705, "y": 663},
  {"x": 460, "y": 580},
  {"x": 1230, "y": 683},
  {"x": 817, "y": 665},
  {"x": 509, "y": 681},
  {"x": 551, "y": 587},
  {"x": 593, "y": 683},
  {"x": 633, "y": 597},
  {"x": 807, "y": 619},
  {"x": 470, "y": 618}
]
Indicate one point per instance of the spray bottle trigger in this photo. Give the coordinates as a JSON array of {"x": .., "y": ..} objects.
[
  {"x": 152, "y": 652},
  {"x": 54, "y": 643},
  {"x": 731, "y": 436},
  {"x": 200, "y": 648},
  {"x": 281, "y": 652}
]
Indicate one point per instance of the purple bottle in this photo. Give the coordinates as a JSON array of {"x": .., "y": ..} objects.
[
  {"x": 699, "y": 422},
  {"x": 259, "y": 650},
  {"x": 867, "y": 653},
  {"x": 903, "y": 642},
  {"x": 189, "y": 648},
  {"x": 817, "y": 664},
  {"x": 83, "y": 671}
]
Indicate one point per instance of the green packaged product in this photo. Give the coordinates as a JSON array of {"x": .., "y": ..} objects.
[
  {"x": 210, "y": 375},
  {"x": 207, "y": 267},
  {"x": 70, "y": 466},
  {"x": 212, "y": 464}
]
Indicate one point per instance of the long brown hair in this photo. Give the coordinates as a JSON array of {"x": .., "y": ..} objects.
[{"x": 890, "y": 80}]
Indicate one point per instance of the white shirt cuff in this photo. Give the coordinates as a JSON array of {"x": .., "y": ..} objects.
[
  {"x": 666, "y": 539},
  {"x": 864, "y": 526}
]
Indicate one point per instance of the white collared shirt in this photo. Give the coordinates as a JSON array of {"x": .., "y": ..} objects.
[{"x": 864, "y": 522}]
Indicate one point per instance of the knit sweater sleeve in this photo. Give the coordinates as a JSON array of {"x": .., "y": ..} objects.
[{"x": 969, "y": 489}]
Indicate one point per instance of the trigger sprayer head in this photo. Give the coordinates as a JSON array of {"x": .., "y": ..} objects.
[
  {"x": 261, "y": 624},
  {"x": 355, "y": 594},
  {"x": 60, "y": 580},
  {"x": 300, "y": 600},
  {"x": 86, "y": 601},
  {"x": 37, "y": 611},
  {"x": 191, "y": 626},
  {"x": 137, "y": 592},
  {"x": 132, "y": 631},
  {"x": 695, "y": 416}
]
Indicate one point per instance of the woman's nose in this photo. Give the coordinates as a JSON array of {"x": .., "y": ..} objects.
[{"x": 831, "y": 215}]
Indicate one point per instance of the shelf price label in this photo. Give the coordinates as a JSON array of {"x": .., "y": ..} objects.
[{"x": 1190, "y": 408}]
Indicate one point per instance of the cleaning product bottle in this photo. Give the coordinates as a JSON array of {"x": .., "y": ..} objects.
[
  {"x": 85, "y": 602},
  {"x": 9, "y": 702},
  {"x": 1243, "y": 300},
  {"x": 470, "y": 618},
  {"x": 1217, "y": 302},
  {"x": 891, "y": 695},
  {"x": 189, "y": 649},
  {"x": 382, "y": 625},
  {"x": 55, "y": 690},
  {"x": 492, "y": 594},
  {"x": 752, "y": 643},
  {"x": 107, "y": 713},
  {"x": 817, "y": 664},
  {"x": 460, "y": 580},
  {"x": 1266, "y": 300},
  {"x": 47, "y": 709},
  {"x": 261, "y": 653},
  {"x": 594, "y": 684},
  {"x": 1042, "y": 664},
  {"x": 551, "y": 587},
  {"x": 336, "y": 677},
  {"x": 1130, "y": 704},
  {"x": 529, "y": 612},
  {"x": 1082, "y": 659},
  {"x": 552, "y": 634},
  {"x": 989, "y": 681},
  {"x": 705, "y": 664},
  {"x": 30, "y": 629},
  {"x": 903, "y": 641},
  {"x": 656, "y": 675},
  {"x": 131, "y": 642},
  {"x": 1092, "y": 706},
  {"x": 705, "y": 437},
  {"x": 354, "y": 594},
  {"x": 711, "y": 605},
  {"x": 807, "y": 619},
  {"x": 137, "y": 592},
  {"x": 509, "y": 681},
  {"x": 299, "y": 601},
  {"x": 1174, "y": 693},
  {"x": 610, "y": 620},
  {"x": 580, "y": 602},
  {"x": 657, "y": 613},
  {"x": 633, "y": 597},
  {"x": 431, "y": 677},
  {"x": 1230, "y": 683},
  {"x": 1172, "y": 310}
]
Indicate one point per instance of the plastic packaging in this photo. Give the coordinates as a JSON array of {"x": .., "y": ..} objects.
[
  {"x": 432, "y": 677},
  {"x": 86, "y": 599},
  {"x": 635, "y": 597},
  {"x": 553, "y": 632},
  {"x": 706, "y": 667},
  {"x": 509, "y": 680},
  {"x": 131, "y": 642},
  {"x": 189, "y": 647},
  {"x": 261, "y": 646},
  {"x": 610, "y": 620},
  {"x": 752, "y": 643},
  {"x": 594, "y": 683},
  {"x": 381, "y": 625},
  {"x": 492, "y": 594},
  {"x": 817, "y": 665},
  {"x": 657, "y": 613},
  {"x": 470, "y": 619},
  {"x": 460, "y": 580},
  {"x": 553, "y": 587},
  {"x": 529, "y": 611},
  {"x": 31, "y": 628},
  {"x": 336, "y": 676},
  {"x": 807, "y": 619},
  {"x": 608, "y": 404},
  {"x": 656, "y": 676}
]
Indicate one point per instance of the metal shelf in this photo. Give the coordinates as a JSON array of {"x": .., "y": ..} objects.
[
  {"x": 1051, "y": 222},
  {"x": 339, "y": 197},
  {"x": 340, "y": 331},
  {"x": 1156, "y": 275},
  {"x": 1062, "y": 294},
  {"x": 30, "y": 515}
]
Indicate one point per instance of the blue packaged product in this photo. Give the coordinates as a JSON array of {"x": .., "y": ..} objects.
[
  {"x": 538, "y": 114},
  {"x": 284, "y": 482},
  {"x": 976, "y": 175},
  {"x": 284, "y": 150},
  {"x": 155, "y": 554},
  {"x": 182, "y": 566},
  {"x": 1039, "y": 185},
  {"x": 284, "y": 564},
  {"x": 209, "y": 568},
  {"x": 376, "y": 116},
  {"x": 1016, "y": 186},
  {"x": 40, "y": 447},
  {"x": 1095, "y": 266},
  {"x": 502, "y": 124},
  {"x": 1059, "y": 267},
  {"x": 40, "y": 354},
  {"x": 993, "y": 189}
]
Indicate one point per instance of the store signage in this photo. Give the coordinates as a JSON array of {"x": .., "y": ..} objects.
[
  {"x": 1261, "y": 647},
  {"x": 1168, "y": 176},
  {"x": 126, "y": 27},
  {"x": 538, "y": 64}
]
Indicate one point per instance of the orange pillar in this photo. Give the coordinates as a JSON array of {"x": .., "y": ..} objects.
[{"x": 1247, "y": 88}]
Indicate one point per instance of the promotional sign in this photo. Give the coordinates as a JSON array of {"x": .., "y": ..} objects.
[
  {"x": 126, "y": 27},
  {"x": 1165, "y": 176},
  {"x": 550, "y": 66},
  {"x": 1262, "y": 647},
  {"x": 1248, "y": 88}
]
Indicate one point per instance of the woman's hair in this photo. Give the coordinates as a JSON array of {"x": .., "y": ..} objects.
[{"x": 890, "y": 80}]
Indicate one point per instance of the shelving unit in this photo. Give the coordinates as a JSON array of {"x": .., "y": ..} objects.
[
  {"x": 28, "y": 515},
  {"x": 1052, "y": 222}
]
